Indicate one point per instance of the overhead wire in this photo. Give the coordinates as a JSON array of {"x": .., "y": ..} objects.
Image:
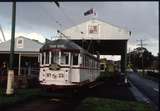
[
  {"x": 90, "y": 46},
  {"x": 77, "y": 28},
  {"x": 59, "y": 23},
  {"x": 69, "y": 18},
  {"x": 52, "y": 18},
  {"x": 56, "y": 21},
  {"x": 74, "y": 23}
]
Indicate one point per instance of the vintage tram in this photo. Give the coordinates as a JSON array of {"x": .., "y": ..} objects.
[{"x": 63, "y": 64}]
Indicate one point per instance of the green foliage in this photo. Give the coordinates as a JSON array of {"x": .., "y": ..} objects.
[
  {"x": 136, "y": 57},
  {"x": 99, "y": 104},
  {"x": 1, "y": 92},
  {"x": 105, "y": 76}
]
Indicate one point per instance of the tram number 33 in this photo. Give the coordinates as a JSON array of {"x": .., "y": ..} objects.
[{"x": 54, "y": 76}]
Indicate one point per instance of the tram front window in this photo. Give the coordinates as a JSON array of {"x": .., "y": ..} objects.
[
  {"x": 54, "y": 57},
  {"x": 47, "y": 57},
  {"x": 64, "y": 58}
]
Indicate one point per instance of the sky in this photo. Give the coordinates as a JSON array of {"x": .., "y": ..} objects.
[{"x": 40, "y": 20}]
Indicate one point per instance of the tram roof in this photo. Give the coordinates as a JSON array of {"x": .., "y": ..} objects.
[{"x": 62, "y": 44}]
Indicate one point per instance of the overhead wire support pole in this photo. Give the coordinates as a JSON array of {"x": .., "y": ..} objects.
[
  {"x": 10, "y": 81},
  {"x": 141, "y": 45},
  {"x": 12, "y": 34}
]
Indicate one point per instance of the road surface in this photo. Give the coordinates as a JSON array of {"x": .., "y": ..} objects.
[{"x": 148, "y": 87}]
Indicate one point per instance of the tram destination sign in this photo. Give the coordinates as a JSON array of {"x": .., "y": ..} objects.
[{"x": 57, "y": 46}]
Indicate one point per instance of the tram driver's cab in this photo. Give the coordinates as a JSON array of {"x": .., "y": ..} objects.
[{"x": 57, "y": 65}]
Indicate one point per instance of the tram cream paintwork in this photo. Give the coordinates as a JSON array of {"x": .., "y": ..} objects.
[
  {"x": 64, "y": 63},
  {"x": 72, "y": 75}
]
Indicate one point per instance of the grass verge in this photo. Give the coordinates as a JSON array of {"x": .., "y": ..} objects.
[
  {"x": 20, "y": 96},
  {"x": 100, "y": 104}
]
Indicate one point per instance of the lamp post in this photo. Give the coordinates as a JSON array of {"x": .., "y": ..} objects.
[{"x": 10, "y": 81}]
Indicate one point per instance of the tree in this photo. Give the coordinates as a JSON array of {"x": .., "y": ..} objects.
[{"x": 140, "y": 58}]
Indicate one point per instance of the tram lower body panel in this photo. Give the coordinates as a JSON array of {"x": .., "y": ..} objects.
[{"x": 66, "y": 77}]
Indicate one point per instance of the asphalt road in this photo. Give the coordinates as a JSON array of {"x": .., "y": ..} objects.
[{"x": 149, "y": 88}]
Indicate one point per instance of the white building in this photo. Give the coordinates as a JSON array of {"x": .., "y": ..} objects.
[{"x": 96, "y": 35}]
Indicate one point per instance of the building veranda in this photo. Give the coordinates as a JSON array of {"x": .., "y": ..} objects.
[{"x": 26, "y": 58}]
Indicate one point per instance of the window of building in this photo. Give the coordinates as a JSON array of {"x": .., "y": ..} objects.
[
  {"x": 20, "y": 43},
  {"x": 93, "y": 29}
]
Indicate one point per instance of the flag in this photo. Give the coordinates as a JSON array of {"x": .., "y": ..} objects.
[{"x": 90, "y": 11}]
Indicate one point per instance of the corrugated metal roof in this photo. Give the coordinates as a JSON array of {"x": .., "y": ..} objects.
[{"x": 27, "y": 45}]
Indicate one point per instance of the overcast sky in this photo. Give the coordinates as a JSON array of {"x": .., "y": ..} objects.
[{"x": 40, "y": 20}]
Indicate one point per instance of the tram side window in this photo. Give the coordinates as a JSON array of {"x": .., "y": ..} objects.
[
  {"x": 96, "y": 64},
  {"x": 92, "y": 63},
  {"x": 87, "y": 61},
  {"x": 83, "y": 60},
  {"x": 75, "y": 59},
  {"x": 65, "y": 58},
  {"x": 47, "y": 57}
]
